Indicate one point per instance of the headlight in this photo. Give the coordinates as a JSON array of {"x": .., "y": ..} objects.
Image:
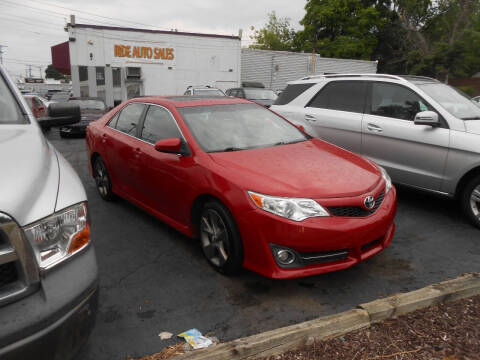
[
  {"x": 386, "y": 177},
  {"x": 290, "y": 208},
  {"x": 60, "y": 235}
]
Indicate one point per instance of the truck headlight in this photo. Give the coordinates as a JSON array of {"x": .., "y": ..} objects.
[
  {"x": 386, "y": 177},
  {"x": 60, "y": 235},
  {"x": 296, "y": 209}
]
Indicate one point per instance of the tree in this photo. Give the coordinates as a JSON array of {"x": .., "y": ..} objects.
[
  {"x": 276, "y": 35},
  {"x": 52, "y": 73},
  {"x": 343, "y": 28}
]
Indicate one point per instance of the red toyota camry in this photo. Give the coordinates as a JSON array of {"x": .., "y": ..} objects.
[{"x": 257, "y": 191}]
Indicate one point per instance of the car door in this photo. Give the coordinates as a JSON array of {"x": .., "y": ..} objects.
[
  {"x": 412, "y": 154},
  {"x": 335, "y": 113},
  {"x": 163, "y": 178},
  {"x": 120, "y": 141}
]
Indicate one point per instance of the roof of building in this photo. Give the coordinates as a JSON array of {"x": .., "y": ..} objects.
[{"x": 115, "y": 28}]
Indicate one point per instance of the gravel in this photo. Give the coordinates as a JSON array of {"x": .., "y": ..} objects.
[{"x": 448, "y": 331}]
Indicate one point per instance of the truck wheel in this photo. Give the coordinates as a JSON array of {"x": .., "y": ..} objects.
[
  {"x": 220, "y": 238},
  {"x": 470, "y": 200},
  {"x": 102, "y": 179}
]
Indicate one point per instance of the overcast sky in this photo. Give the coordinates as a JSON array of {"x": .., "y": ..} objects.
[{"x": 29, "y": 27}]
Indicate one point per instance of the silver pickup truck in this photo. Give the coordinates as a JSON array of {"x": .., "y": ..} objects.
[{"x": 48, "y": 269}]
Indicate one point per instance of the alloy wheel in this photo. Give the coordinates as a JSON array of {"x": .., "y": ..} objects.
[
  {"x": 475, "y": 201},
  {"x": 214, "y": 237},
  {"x": 101, "y": 178}
]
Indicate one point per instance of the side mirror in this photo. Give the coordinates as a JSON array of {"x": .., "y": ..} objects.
[
  {"x": 172, "y": 145},
  {"x": 60, "y": 114},
  {"x": 300, "y": 127},
  {"x": 429, "y": 118}
]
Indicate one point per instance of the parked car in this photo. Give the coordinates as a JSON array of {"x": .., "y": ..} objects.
[
  {"x": 60, "y": 96},
  {"x": 37, "y": 104},
  {"x": 204, "y": 91},
  {"x": 48, "y": 270},
  {"x": 257, "y": 190},
  {"x": 424, "y": 133},
  {"x": 254, "y": 91},
  {"x": 91, "y": 109}
]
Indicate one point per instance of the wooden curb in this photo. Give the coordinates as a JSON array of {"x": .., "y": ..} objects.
[
  {"x": 290, "y": 337},
  {"x": 464, "y": 286}
]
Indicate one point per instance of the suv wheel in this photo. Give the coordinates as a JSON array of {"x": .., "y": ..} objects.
[
  {"x": 220, "y": 238},
  {"x": 102, "y": 179},
  {"x": 471, "y": 200}
]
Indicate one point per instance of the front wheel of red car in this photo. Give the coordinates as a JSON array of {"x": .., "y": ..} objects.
[
  {"x": 220, "y": 238},
  {"x": 102, "y": 179}
]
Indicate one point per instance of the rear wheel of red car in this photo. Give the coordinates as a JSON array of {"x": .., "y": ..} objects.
[
  {"x": 470, "y": 200},
  {"x": 102, "y": 179},
  {"x": 220, "y": 238}
]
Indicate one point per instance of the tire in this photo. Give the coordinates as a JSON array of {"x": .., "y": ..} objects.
[
  {"x": 470, "y": 200},
  {"x": 220, "y": 239},
  {"x": 102, "y": 180}
]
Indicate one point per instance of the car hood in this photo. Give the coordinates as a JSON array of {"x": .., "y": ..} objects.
[
  {"x": 313, "y": 169},
  {"x": 473, "y": 126},
  {"x": 30, "y": 174}
]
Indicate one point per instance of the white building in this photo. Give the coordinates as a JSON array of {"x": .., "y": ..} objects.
[
  {"x": 275, "y": 68},
  {"x": 120, "y": 63}
]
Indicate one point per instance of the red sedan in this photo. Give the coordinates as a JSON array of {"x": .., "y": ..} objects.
[{"x": 256, "y": 190}]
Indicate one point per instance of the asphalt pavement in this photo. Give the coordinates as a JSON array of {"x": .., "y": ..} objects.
[{"x": 154, "y": 279}]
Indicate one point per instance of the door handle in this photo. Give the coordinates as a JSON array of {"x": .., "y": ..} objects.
[
  {"x": 311, "y": 118},
  {"x": 374, "y": 128},
  {"x": 104, "y": 138}
]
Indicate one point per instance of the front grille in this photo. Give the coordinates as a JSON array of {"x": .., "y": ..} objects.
[
  {"x": 8, "y": 274},
  {"x": 356, "y": 211},
  {"x": 324, "y": 256}
]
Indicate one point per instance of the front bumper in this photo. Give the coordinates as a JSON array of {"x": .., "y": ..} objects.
[
  {"x": 361, "y": 237},
  {"x": 54, "y": 322}
]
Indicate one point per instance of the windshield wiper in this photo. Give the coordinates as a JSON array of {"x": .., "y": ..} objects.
[
  {"x": 231, "y": 148},
  {"x": 471, "y": 118}
]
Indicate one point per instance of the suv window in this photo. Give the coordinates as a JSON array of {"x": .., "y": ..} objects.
[
  {"x": 291, "y": 92},
  {"x": 341, "y": 95},
  {"x": 159, "y": 125},
  {"x": 129, "y": 117},
  {"x": 9, "y": 110},
  {"x": 396, "y": 101}
]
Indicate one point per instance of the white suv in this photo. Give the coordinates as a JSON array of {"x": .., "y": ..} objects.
[{"x": 425, "y": 133}]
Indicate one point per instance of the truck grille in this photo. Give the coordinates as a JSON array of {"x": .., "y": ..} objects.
[
  {"x": 8, "y": 274},
  {"x": 356, "y": 211},
  {"x": 18, "y": 271}
]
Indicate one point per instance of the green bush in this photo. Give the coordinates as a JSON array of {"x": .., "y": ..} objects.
[{"x": 469, "y": 90}]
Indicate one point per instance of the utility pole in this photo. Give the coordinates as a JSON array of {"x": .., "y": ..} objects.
[
  {"x": 28, "y": 70},
  {"x": 1, "y": 53},
  {"x": 40, "y": 71}
]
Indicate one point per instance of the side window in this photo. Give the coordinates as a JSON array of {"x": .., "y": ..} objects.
[
  {"x": 234, "y": 92},
  {"x": 291, "y": 92},
  {"x": 341, "y": 95},
  {"x": 113, "y": 121},
  {"x": 129, "y": 118},
  {"x": 396, "y": 101},
  {"x": 159, "y": 125}
]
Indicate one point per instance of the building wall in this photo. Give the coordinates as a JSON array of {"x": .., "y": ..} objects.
[
  {"x": 275, "y": 68},
  {"x": 196, "y": 60}
]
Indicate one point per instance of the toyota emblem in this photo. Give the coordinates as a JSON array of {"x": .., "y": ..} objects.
[{"x": 369, "y": 202}]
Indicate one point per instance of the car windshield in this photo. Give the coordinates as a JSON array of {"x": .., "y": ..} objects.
[
  {"x": 234, "y": 127},
  {"x": 452, "y": 100},
  {"x": 9, "y": 110},
  {"x": 260, "y": 94},
  {"x": 89, "y": 104},
  {"x": 208, "y": 92}
]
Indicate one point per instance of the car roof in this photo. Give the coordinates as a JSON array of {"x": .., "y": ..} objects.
[
  {"x": 373, "y": 76},
  {"x": 188, "y": 101}
]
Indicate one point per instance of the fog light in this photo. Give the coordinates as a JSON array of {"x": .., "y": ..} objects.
[{"x": 285, "y": 257}]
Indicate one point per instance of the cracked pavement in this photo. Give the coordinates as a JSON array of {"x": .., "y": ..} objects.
[{"x": 154, "y": 279}]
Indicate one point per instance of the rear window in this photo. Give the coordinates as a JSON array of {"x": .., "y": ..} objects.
[
  {"x": 341, "y": 95},
  {"x": 291, "y": 92},
  {"x": 9, "y": 109}
]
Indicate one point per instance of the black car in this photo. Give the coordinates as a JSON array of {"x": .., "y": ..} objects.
[
  {"x": 91, "y": 109},
  {"x": 254, "y": 91}
]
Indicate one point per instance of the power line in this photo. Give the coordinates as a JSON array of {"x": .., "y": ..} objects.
[{"x": 92, "y": 14}]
